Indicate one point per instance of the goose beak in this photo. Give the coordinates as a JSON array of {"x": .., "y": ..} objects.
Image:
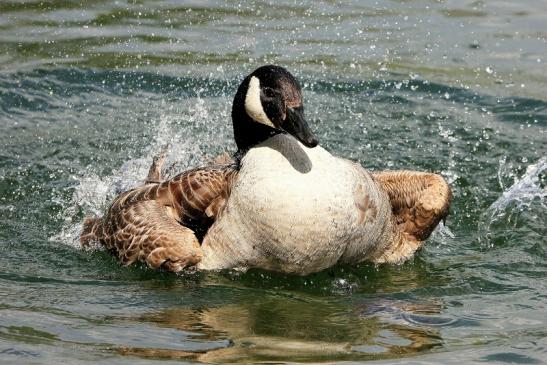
[{"x": 296, "y": 125}]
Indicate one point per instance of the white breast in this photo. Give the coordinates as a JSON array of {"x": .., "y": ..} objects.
[{"x": 296, "y": 209}]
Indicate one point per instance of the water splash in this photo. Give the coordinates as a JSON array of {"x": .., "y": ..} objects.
[
  {"x": 92, "y": 193},
  {"x": 524, "y": 191},
  {"x": 442, "y": 231},
  {"x": 88, "y": 196},
  {"x": 526, "y": 195}
]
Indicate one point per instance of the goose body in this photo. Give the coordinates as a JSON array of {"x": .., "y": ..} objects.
[
  {"x": 285, "y": 204},
  {"x": 299, "y": 210}
]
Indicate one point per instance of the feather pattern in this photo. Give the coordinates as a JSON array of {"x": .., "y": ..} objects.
[
  {"x": 151, "y": 223},
  {"x": 419, "y": 200}
]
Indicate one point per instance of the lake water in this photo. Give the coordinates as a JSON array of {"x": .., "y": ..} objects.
[{"x": 90, "y": 91}]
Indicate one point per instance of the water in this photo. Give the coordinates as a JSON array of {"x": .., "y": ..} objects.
[{"x": 89, "y": 91}]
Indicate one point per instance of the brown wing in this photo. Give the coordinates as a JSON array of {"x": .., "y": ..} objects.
[
  {"x": 419, "y": 200},
  {"x": 199, "y": 195},
  {"x": 160, "y": 223},
  {"x": 145, "y": 231}
]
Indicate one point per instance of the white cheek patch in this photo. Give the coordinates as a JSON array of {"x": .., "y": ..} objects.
[{"x": 253, "y": 105}]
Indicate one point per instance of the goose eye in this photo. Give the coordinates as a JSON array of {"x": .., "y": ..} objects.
[{"x": 269, "y": 92}]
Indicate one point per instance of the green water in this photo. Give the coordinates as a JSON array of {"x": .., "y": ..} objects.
[{"x": 89, "y": 91}]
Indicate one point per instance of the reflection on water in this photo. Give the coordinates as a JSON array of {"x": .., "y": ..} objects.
[{"x": 275, "y": 328}]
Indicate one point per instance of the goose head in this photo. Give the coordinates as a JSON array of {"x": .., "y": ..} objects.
[{"x": 269, "y": 102}]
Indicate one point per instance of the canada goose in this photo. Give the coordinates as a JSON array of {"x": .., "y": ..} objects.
[{"x": 284, "y": 204}]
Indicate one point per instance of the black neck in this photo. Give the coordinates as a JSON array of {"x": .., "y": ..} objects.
[{"x": 247, "y": 132}]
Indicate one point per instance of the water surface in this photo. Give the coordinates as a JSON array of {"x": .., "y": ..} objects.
[{"x": 90, "y": 91}]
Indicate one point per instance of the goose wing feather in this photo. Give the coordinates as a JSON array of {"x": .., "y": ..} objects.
[
  {"x": 419, "y": 200},
  {"x": 160, "y": 223}
]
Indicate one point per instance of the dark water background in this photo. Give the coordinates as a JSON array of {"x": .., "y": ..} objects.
[{"x": 89, "y": 91}]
